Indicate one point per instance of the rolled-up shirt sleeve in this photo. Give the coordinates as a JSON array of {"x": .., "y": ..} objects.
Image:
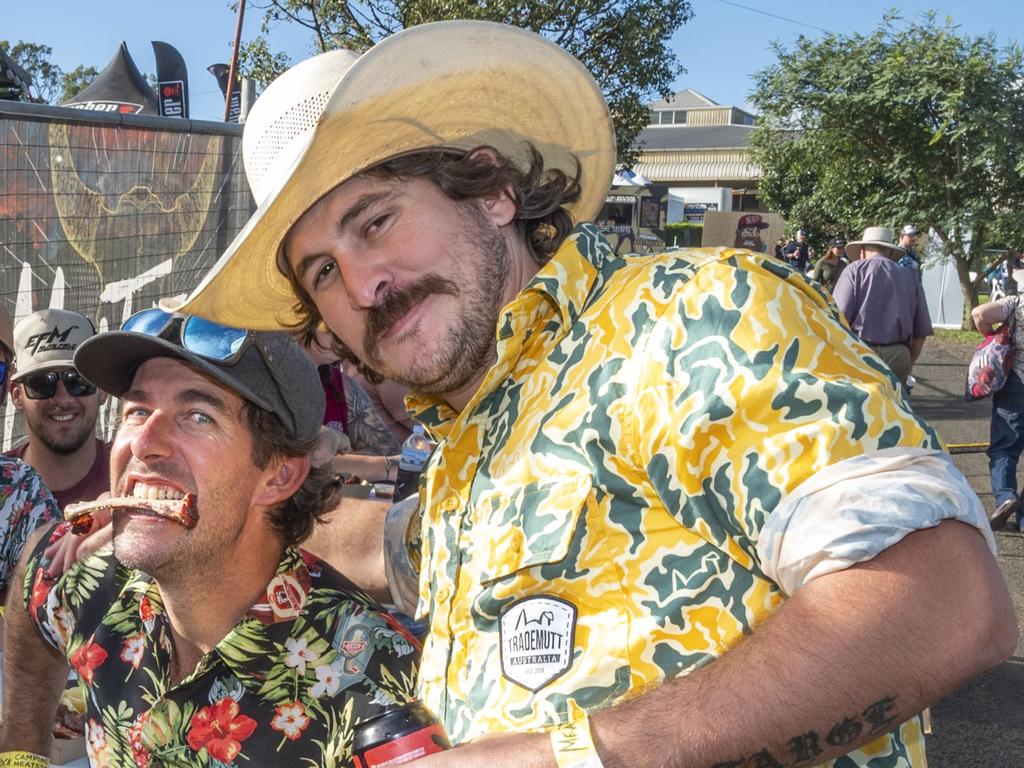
[{"x": 851, "y": 511}]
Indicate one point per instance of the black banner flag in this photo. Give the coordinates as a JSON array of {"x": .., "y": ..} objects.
[
  {"x": 220, "y": 71},
  {"x": 172, "y": 80}
]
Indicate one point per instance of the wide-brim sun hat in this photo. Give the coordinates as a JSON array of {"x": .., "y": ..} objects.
[
  {"x": 880, "y": 237},
  {"x": 456, "y": 84}
]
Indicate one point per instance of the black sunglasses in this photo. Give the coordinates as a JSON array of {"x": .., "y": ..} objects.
[
  {"x": 42, "y": 386},
  {"x": 3, "y": 371}
]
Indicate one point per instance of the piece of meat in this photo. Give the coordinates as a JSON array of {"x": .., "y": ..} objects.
[{"x": 181, "y": 511}]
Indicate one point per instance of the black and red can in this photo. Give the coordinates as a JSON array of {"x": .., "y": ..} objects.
[{"x": 401, "y": 734}]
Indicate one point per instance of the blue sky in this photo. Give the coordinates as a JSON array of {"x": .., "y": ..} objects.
[{"x": 720, "y": 47}]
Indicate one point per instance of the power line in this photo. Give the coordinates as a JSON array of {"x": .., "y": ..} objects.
[{"x": 776, "y": 16}]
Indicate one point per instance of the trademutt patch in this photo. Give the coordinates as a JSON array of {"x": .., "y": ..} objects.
[{"x": 537, "y": 636}]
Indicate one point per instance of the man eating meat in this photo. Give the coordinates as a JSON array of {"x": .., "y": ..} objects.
[{"x": 205, "y": 637}]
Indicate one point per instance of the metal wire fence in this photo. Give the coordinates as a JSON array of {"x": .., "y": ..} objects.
[{"x": 105, "y": 214}]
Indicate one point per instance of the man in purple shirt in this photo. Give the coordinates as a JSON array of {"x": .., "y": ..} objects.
[{"x": 883, "y": 302}]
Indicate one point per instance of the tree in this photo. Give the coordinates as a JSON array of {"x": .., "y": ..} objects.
[
  {"x": 74, "y": 81},
  {"x": 911, "y": 123},
  {"x": 52, "y": 85},
  {"x": 624, "y": 43}
]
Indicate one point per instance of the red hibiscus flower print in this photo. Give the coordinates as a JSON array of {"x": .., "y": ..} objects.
[
  {"x": 146, "y": 612},
  {"x": 220, "y": 729},
  {"x": 40, "y": 591},
  {"x": 86, "y": 659}
]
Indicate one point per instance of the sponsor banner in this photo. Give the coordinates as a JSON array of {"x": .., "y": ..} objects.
[{"x": 172, "y": 99}]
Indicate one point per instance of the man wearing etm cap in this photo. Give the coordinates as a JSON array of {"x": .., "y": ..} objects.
[
  {"x": 25, "y": 502},
  {"x": 678, "y": 513},
  {"x": 204, "y": 637},
  {"x": 60, "y": 407}
]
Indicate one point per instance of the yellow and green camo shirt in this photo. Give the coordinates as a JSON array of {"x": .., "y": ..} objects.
[{"x": 590, "y": 519}]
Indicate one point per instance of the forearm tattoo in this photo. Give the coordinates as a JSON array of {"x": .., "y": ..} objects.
[
  {"x": 366, "y": 429},
  {"x": 805, "y": 749}
]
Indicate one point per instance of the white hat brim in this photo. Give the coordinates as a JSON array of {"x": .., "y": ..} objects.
[
  {"x": 853, "y": 249},
  {"x": 457, "y": 85}
]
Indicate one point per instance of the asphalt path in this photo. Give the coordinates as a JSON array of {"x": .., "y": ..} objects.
[{"x": 981, "y": 724}]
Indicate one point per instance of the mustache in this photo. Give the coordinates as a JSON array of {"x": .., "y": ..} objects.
[{"x": 398, "y": 301}]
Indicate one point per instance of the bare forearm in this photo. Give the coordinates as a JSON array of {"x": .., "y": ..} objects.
[
  {"x": 34, "y": 677},
  {"x": 351, "y": 540},
  {"x": 849, "y": 657},
  {"x": 372, "y": 468}
]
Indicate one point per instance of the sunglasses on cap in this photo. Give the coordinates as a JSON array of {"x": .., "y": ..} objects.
[
  {"x": 209, "y": 340},
  {"x": 221, "y": 344},
  {"x": 42, "y": 386}
]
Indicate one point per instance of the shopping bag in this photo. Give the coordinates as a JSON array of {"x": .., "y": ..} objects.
[{"x": 991, "y": 362}]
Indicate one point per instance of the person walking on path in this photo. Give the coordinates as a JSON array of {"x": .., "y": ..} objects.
[
  {"x": 1006, "y": 429},
  {"x": 831, "y": 265},
  {"x": 883, "y": 302}
]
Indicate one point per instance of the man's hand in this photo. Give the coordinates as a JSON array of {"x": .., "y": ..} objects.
[{"x": 71, "y": 548}]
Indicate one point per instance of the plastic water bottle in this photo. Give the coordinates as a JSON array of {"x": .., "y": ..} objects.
[{"x": 415, "y": 452}]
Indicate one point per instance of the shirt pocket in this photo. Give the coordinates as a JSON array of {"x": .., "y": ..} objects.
[{"x": 533, "y": 525}]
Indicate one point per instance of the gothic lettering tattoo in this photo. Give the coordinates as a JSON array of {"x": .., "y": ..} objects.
[{"x": 806, "y": 749}]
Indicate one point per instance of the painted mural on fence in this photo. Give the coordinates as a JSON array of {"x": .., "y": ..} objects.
[{"x": 104, "y": 219}]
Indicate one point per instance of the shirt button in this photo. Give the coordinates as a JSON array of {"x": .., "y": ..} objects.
[{"x": 451, "y": 503}]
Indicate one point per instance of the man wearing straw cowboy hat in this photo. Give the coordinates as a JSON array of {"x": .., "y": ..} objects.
[
  {"x": 884, "y": 302},
  {"x": 676, "y": 509}
]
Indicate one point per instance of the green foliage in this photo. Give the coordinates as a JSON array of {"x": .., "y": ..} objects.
[
  {"x": 35, "y": 60},
  {"x": 73, "y": 82},
  {"x": 624, "y": 43},
  {"x": 912, "y": 123},
  {"x": 684, "y": 234}
]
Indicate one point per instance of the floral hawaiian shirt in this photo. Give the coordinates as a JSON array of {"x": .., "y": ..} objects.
[
  {"x": 591, "y": 517},
  {"x": 284, "y": 687},
  {"x": 25, "y": 504}
]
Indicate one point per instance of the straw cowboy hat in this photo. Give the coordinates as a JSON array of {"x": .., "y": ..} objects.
[
  {"x": 457, "y": 84},
  {"x": 880, "y": 237}
]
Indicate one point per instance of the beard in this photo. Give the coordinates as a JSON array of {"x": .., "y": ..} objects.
[
  {"x": 179, "y": 555},
  {"x": 468, "y": 348},
  {"x": 57, "y": 441}
]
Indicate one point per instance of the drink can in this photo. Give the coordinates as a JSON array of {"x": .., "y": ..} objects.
[{"x": 401, "y": 734}]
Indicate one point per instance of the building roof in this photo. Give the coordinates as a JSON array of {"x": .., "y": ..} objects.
[
  {"x": 694, "y": 137},
  {"x": 683, "y": 170},
  {"x": 685, "y": 99}
]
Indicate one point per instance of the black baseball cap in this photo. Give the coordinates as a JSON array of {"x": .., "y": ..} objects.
[{"x": 274, "y": 372}]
